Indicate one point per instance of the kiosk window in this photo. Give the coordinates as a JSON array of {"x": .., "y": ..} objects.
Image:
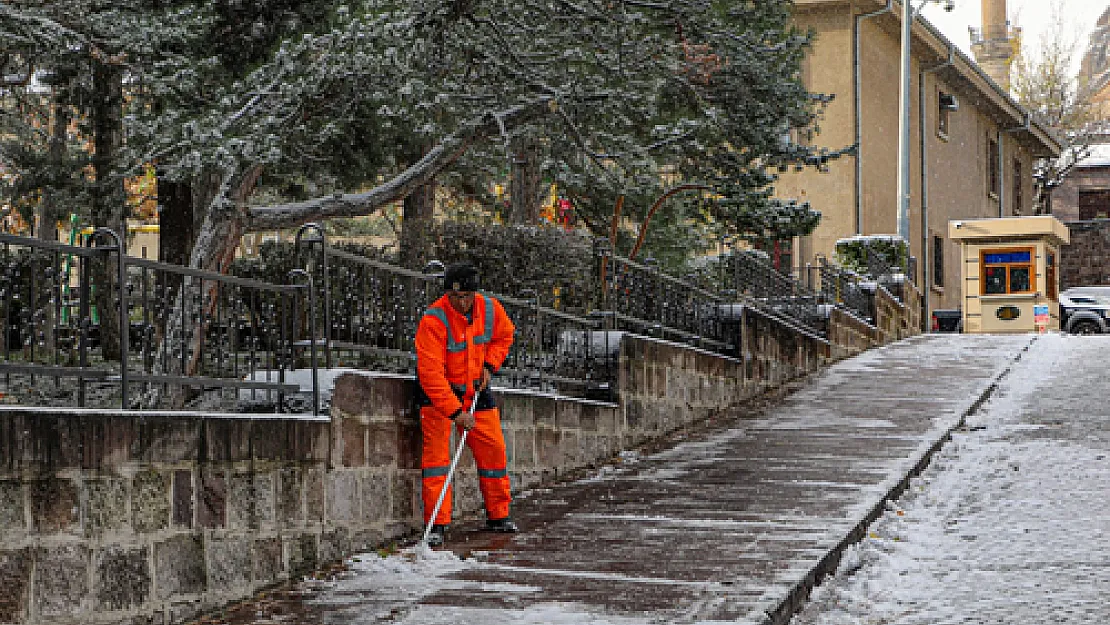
[{"x": 1007, "y": 271}]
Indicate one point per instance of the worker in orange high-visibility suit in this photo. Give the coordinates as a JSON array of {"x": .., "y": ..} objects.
[{"x": 461, "y": 341}]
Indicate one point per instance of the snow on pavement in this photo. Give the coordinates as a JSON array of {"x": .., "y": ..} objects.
[{"x": 1009, "y": 524}]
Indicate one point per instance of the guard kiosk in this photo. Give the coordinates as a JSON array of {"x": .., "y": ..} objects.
[{"x": 1011, "y": 280}]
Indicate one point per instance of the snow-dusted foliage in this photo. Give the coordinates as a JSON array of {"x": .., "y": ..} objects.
[{"x": 625, "y": 97}]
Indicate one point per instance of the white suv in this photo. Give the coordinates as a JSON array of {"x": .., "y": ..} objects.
[{"x": 1085, "y": 310}]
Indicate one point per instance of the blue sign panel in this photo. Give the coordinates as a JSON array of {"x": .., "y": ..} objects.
[{"x": 1007, "y": 257}]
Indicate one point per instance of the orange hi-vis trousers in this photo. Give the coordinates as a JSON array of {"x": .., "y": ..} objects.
[{"x": 486, "y": 442}]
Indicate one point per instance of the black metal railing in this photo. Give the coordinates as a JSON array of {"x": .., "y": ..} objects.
[
  {"x": 644, "y": 300},
  {"x": 89, "y": 327},
  {"x": 205, "y": 341}
]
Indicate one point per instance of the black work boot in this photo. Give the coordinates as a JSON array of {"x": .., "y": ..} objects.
[
  {"x": 437, "y": 536},
  {"x": 504, "y": 525}
]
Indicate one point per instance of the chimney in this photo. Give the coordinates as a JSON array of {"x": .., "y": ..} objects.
[{"x": 994, "y": 44}]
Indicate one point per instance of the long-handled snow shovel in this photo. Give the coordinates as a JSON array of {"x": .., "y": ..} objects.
[{"x": 450, "y": 475}]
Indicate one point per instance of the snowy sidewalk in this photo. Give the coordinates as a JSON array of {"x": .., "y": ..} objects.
[
  {"x": 734, "y": 526},
  {"x": 1009, "y": 524}
]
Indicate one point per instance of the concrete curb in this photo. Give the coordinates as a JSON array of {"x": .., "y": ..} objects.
[{"x": 780, "y": 611}]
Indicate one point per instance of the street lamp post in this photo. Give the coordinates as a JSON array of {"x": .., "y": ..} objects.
[{"x": 908, "y": 14}]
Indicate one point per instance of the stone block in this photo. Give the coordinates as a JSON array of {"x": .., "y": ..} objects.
[
  {"x": 516, "y": 409},
  {"x": 122, "y": 577},
  {"x": 312, "y": 441},
  {"x": 250, "y": 500},
  {"x": 342, "y": 495},
  {"x": 55, "y": 506},
  {"x": 548, "y": 451},
  {"x": 335, "y": 544},
  {"x": 303, "y": 553},
  {"x": 150, "y": 502},
  {"x": 634, "y": 414},
  {"x": 266, "y": 560},
  {"x": 15, "y": 584},
  {"x": 289, "y": 510},
  {"x": 544, "y": 410},
  {"x": 230, "y": 564},
  {"x": 167, "y": 440},
  {"x": 12, "y": 512},
  {"x": 571, "y": 450},
  {"x": 568, "y": 414},
  {"x": 273, "y": 439},
  {"x": 524, "y": 448},
  {"x": 107, "y": 505},
  {"x": 212, "y": 500},
  {"x": 179, "y": 566},
  {"x": 376, "y": 496},
  {"x": 384, "y": 444},
  {"x": 183, "y": 498},
  {"x": 351, "y": 442},
  {"x": 314, "y": 494},
  {"x": 409, "y": 441},
  {"x": 226, "y": 440},
  {"x": 61, "y": 580},
  {"x": 406, "y": 496}
]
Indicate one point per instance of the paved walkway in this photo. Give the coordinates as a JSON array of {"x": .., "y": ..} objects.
[
  {"x": 733, "y": 525},
  {"x": 1010, "y": 524}
]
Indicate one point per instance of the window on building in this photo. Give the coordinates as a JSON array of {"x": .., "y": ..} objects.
[
  {"x": 947, "y": 105},
  {"x": 1007, "y": 271},
  {"x": 994, "y": 176},
  {"x": 938, "y": 261},
  {"x": 1050, "y": 277},
  {"x": 1094, "y": 204},
  {"x": 1018, "y": 199}
]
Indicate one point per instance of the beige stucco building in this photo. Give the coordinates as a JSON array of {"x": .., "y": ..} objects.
[{"x": 972, "y": 148}]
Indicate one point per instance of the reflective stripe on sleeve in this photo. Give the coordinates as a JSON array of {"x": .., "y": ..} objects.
[{"x": 493, "y": 473}]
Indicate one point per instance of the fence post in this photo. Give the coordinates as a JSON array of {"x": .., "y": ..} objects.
[
  {"x": 293, "y": 276},
  {"x": 124, "y": 320},
  {"x": 320, "y": 237}
]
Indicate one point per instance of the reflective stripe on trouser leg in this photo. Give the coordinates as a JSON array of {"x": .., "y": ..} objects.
[
  {"x": 487, "y": 443},
  {"x": 435, "y": 461}
]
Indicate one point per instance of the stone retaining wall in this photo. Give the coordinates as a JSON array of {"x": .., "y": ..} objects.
[{"x": 140, "y": 519}]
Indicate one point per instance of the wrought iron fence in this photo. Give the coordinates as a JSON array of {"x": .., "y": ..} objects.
[
  {"x": 642, "y": 299},
  {"x": 89, "y": 327},
  {"x": 207, "y": 341},
  {"x": 370, "y": 312},
  {"x": 750, "y": 274}
]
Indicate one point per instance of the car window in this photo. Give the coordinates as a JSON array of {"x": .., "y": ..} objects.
[{"x": 1079, "y": 299}]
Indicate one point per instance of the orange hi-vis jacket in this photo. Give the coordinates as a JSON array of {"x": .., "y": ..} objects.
[{"x": 451, "y": 350}]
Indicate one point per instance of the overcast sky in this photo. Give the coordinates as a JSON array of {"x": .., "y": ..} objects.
[{"x": 1031, "y": 15}]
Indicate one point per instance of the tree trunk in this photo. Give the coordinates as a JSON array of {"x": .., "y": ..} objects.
[
  {"x": 46, "y": 218},
  {"x": 214, "y": 249},
  {"x": 416, "y": 225},
  {"x": 109, "y": 200},
  {"x": 526, "y": 188}
]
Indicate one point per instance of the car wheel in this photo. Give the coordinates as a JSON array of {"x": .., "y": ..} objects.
[{"x": 1085, "y": 327}]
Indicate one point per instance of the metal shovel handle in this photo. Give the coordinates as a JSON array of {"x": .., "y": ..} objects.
[{"x": 450, "y": 474}]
